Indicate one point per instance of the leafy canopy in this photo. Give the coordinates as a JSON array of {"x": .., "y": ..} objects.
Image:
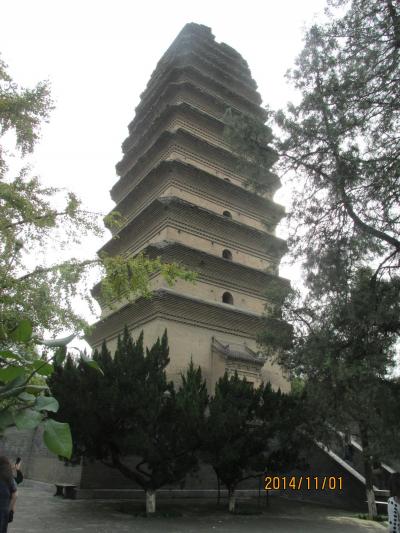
[
  {"x": 32, "y": 285},
  {"x": 341, "y": 142},
  {"x": 251, "y": 141},
  {"x": 250, "y": 431},
  {"x": 340, "y": 146},
  {"x": 25, "y": 399}
]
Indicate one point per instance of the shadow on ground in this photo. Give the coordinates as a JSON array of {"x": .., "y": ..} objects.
[{"x": 39, "y": 511}]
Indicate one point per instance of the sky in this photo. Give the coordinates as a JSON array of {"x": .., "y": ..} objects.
[{"x": 98, "y": 57}]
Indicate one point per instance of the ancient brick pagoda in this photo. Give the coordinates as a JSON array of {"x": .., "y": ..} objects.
[{"x": 184, "y": 200}]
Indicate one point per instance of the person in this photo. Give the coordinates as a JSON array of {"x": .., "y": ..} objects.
[
  {"x": 17, "y": 473},
  {"x": 394, "y": 503},
  {"x": 8, "y": 494}
]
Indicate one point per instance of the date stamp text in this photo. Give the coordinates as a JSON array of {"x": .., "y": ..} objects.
[{"x": 303, "y": 482}]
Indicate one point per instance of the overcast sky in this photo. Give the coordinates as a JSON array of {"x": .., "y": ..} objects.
[{"x": 99, "y": 55}]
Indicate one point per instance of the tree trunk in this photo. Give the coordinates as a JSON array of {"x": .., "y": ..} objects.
[
  {"x": 372, "y": 510},
  {"x": 369, "y": 488},
  {"x": 150, "y": 501},
  {"x": 232, "y": 500}
]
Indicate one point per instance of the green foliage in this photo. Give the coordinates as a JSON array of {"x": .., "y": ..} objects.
[
  {"x": 133, "y": 410},
  {"x": 297, "y": 386},
  {"x": 23, "y": 111},
  {"x": 57, "y": 437},
  {"x": 249, "y": 431},
  {"x": 232, "y": 439},
  {"x": 45, "y": 293},
  {"x": 30, "y": 223},
  {"x": 355, "y": 330},
  {"x": 343, "y": 348},
  {"x": 25, "y": 399},
  {"x": 341, "y": 140},
  {"x": 40, "y": 298},
  {"x": 130, "y": 277},
  {"x": 114, "y": 221},
  {"x": 251, "y": 140},
  {"x": 192, "y": 400},
  {"x": 347, "y": 350},
  {"x": 341, "y": 146}
]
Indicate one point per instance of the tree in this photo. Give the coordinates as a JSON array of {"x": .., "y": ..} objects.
[
  {"x": 344, "y": 348},
  {"x": 36, "y": 295},
  {"x": 251, "y": 141},
  {"x": 133, "y": 411},
  {"x": 29, "y": 221},
  {"x": 341, "y": 146},
  {"x": 341, "y": 140},
  {"x": 243, "y": 430}
]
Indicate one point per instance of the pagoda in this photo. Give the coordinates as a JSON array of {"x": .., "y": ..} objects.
[{"x": 184, "y": 200}]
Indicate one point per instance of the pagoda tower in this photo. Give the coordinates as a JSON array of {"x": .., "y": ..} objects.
[{"x": 183, "y": 199}]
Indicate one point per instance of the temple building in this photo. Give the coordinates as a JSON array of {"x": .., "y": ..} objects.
[{"x": 184, "y": 200}]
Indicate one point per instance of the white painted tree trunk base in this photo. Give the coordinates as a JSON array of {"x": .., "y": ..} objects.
[
  {"x": 372, "y": 510},
  {"x": 150, "y": 502},
  {"x": 232, "y": 502}
]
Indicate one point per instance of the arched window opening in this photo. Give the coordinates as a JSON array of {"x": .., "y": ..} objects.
[
  {"x": 227, "y": 214},
  {"x": 227, "y": 298},
  {"x": 227, "y": 254}
]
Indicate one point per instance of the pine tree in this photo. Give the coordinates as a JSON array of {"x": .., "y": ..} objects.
[
  {"x": 133, "y": 411},
  {"x": 243, "y": 430}
]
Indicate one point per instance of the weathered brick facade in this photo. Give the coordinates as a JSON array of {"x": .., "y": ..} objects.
[{"x": 184, "y": 198}]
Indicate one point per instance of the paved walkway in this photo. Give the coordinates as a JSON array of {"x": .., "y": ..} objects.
[{"x": 40, "y": 512}]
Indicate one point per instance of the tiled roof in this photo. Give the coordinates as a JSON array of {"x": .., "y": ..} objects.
[{"x": 238, "y": 352}]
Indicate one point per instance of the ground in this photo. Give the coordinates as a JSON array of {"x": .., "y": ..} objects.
[{"x": 39, "y": 511}]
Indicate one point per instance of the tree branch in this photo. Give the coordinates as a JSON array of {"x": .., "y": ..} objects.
[
  {"x": 43, "y": 217},
  {"x": 339, "y": 183},
  {"x": 396, "y": 23},
  {"x": 380, "y": 266},
  {"x": 127, "y": 472},
  {"x": 44, "y": 270},
  {"x": 381, "y": 235}
]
